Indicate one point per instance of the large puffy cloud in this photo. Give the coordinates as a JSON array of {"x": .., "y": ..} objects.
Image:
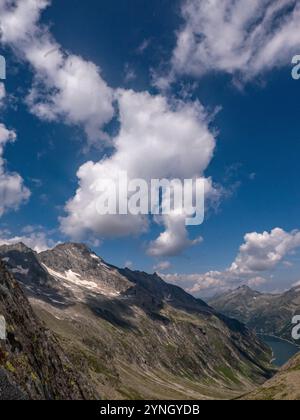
[
  {"x": 263, "y": 251},
  {"x": 245, "y": 36},
  {"x": 12, "y": 190},
  {"x": 157, "y": 139},
  {"x": 259, "y": 254},
  {"x": 65, "y": 86},
  {"x": 160, "y": 139}
]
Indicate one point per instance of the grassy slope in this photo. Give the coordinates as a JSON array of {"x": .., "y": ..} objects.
[
  {"x": 283, "y": 386},
  {"x": 105, "y": 353}
]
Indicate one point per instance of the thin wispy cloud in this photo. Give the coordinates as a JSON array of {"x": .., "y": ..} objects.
[{"x": 243, "y": 38}]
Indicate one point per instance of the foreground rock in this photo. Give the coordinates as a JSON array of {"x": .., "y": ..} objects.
[{"x": 32, "y": 363}]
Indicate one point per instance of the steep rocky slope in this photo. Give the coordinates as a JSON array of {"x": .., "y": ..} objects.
[
  {"x": 265, "y": 313},
  {"x": 32, "y": 362},
  {"x": 283, "y": 386},
  {"x": 135, "y": 335}
]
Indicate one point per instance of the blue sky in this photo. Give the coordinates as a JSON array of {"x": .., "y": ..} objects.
[{"x": 136, "y": 43}]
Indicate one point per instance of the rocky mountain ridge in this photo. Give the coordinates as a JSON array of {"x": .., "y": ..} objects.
[
  {"x": 134, "y": 335},
  {"x": 33, "y": 364},
  {"x": 270, "y": 314}
]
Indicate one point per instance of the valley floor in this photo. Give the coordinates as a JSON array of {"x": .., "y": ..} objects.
[{"x": 120, "y": 380}]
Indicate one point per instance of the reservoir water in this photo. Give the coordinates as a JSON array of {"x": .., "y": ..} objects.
[{"x": 283, "y": 350}]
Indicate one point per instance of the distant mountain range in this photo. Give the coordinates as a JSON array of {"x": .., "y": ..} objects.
[
  {"x": 270, "y": 314},
  {"x": 129, "y": 334}
]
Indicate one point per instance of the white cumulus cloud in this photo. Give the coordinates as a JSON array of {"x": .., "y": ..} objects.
[
  {"x": 259, "y": 254},
  {"x": 157, "y": 139},
  {"x": 236, "y": 36},
  {"x": 263, "y": 251},
  {"x": 12, "y": 190},
  {"x": 66, "y": 87}
]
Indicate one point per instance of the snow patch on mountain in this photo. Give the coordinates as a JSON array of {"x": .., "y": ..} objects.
[
  {"x": 76, "y": 279},
  {"x": 20, "y": 270}
]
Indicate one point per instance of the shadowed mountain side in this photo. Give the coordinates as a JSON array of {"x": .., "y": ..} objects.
[
  {"x": 138, "y": 337},
  {"x": 32, "y": 362}
]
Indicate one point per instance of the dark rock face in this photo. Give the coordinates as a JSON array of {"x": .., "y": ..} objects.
[
  {"x": 32, "y": 362},
  {"x": 26, "y": 268},
  {"x": 262, "y": 312},
  {"x": 134, "y": 334},
  {"x": 8, "y": 390}
]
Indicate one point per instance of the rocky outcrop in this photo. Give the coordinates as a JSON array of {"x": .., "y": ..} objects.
[{"x": 32, "y": 362}]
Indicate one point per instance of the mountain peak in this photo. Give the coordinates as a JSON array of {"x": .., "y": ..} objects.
[
  {"x": 73, "y": 246},
  {"x": 72, "y": 250},
  {"x": 245, "y": 288},
  {"x": 19, "y": 247}
]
